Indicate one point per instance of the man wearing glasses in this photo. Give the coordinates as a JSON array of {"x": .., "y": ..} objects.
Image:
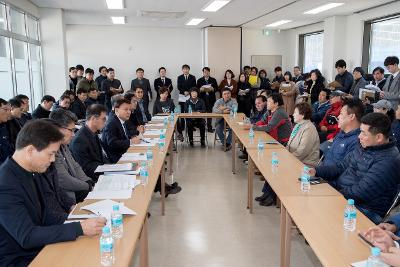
[{"x": 6, "y": 148}]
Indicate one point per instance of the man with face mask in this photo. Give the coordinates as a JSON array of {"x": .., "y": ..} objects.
[{"x": 27, "y": 223}]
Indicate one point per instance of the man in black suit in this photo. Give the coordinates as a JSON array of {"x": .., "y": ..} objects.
[
  {"x": 26, "y": 116},
  {"x": 208, "y": 86},
  {"x": 141, "y": 112},
  {"x": 79, "y": 106},
  {"x": 143, "y": 83},
  {"x": 115, "y": 137},
  {"x": 163, "y": 81},
  {"x": 86, "y": 146},
  {"x": 43, "y": 109},
  {"x": 26, "y": 222},
  {"x": 297, "y": 75},
  {"x": 185, "y": 82},
  {"x": 110, "y": 87},
  {"x": 379, "y": 78}
]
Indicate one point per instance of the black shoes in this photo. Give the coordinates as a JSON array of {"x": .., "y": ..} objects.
[
  {"x": 210, "y": 130},
  {"x": 203, "y": 145},
  {"x": 269, "y": 201},
  {"x": 243, "y": 156},
  {"x": 264, "y": 196},
  {"x": 191, "y": 143}
]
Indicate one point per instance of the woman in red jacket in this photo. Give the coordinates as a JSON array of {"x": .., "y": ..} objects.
[{"x": 328, "y": 127}]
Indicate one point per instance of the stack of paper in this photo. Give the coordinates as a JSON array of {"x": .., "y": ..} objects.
[
  {"x": 144, "y": 144},
  {"x": 104, "y": 208},
  {"x": 150, "y": 125},
  {"x": 153, "y": 132},
  {"x": 133, "y": 157},
  {"x": 183, "y": 98},
  {"x": 114, "y": 167},
  {"x": 158, "y": 118},
  {"x": 114, "y": 187}
]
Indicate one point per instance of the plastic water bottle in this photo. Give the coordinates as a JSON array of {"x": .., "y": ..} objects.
[
  {"x": 171, "y": 118},
  {"x": 144, "y": 173},
  {"x": 274, "y": 162},
  {"x": 161, "y": 145},
  {"x": 149, "y": 156},
  {"x": 260, "y": 147},
  {"x": 305, "y": 185},
  {"x": 162, "y": 136},
  {"x": 350, "y": 214},
  {"x": 117, "y": 224},
  {"x": 190, "y": 109},
  {"x": 178, "y": 109},
  {"x": 251, "y": 135},
  {"x": 165, "y": 122},
  {"x": 106, "y": 247},
  {"x": 374, "y": 260},
  {"x": 235, "y": 108},
  {"x": 231, "y": 114}
]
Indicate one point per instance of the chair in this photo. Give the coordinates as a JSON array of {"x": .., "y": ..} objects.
[
  {"x": 195, "y": 135},
  {"x": 216, "y": 136},
  {"x": 395, "y": 203}
]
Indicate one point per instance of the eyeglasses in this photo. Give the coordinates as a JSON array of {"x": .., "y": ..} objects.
[
  {"x": 6, "y": 108},
  {"x": 71, "y": 130}
]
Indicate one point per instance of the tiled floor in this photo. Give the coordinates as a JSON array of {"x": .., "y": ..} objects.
[{"x": 207, "y": 223}]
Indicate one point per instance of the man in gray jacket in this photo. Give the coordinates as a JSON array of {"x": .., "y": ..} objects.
[
  {"x": 224, "y": 105},
  {"x": 391, "y": 89},
  {"x": 71, "y": 177}
]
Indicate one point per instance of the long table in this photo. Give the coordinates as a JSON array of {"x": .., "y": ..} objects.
[{"x": 318, "y": 214}]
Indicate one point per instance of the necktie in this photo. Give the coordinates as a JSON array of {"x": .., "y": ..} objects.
[
  {"x": 186, "y": 77},
  {"x": 390, "y": 81},
  {"x": 124, "y": 127},
  {"x": 163, "y": 81}
]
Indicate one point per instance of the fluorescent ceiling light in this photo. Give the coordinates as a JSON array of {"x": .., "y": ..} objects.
[
  {"x": 195, "y": 21},
  {"x": 215, "y": 5},
  {"x": 118, "y": 20},
  {"x": 115, "y": 4},
  {"x": 322, "y": 8},
  {"x": 278, "y": 23}
]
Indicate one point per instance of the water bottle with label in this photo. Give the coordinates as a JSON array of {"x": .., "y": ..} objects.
[
  {"x": 106, "y": 247},
  {"x": 305, "y": 185},
  {"x": 350, "y": 214},
  {"x": 161, "y": 145},
  {"x": 166, "y": 122},
  {"x": 117, "y": 225},
  {"x": 162, "y": 135},
  {"x": 274, "y": 162},
  {"x": 374, "y": 260},
  {"x": 235, "y": 108},
  {"x": 144, "y": 173},
  {"x": 178, "y": 109},
  {"x": 231, "y": 114},
  {"x": 251, "y": 135},
  {"x": 260, "y": 147},
  {"x": 149, "y": 156},
  {"x": 171, "y": 118},
  {"x": 190, "y": 109}
]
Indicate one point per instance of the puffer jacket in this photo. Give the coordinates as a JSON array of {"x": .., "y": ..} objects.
[
  {"x": 343, "y": 144},
  {"x": 368, "y": 175}
]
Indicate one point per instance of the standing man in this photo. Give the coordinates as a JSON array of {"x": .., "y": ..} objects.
[
  {"x": 208, "y": 86},
  {"x": 80, "y": 70},
  {"x": 87, "y": 82},
  {"x": 103, "y": 76},
  {"x": 73, "y": 79},
  {"x": 343, "y": 77},
  {"x": 391, "y": 89},
  {"x": 6, "y": 147},
  {"x": 379, "y": 77},
  {"x": 163, "y": 81},
  {"x": 111, "y": 87},
  {"x": 297, "y": 75},
  {"x": 143, "y": 83},
  {"x": 185, "y": 82}
]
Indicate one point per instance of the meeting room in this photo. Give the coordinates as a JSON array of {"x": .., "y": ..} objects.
[{"x": 212, "y": 133}]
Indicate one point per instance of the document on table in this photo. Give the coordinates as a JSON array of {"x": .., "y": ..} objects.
[
  {"x": 359, "y": 264},
  {"x": 104, "y": 208},
  {"x": 153, "y": 132},
  {"x": 144, "y": 144},
  {"x": 81, "y": 216},
  {"x": 158, "y": 118},
  {"x": 183, "y": 98},
  {"x": 154, "y": 125},
  {"x": 133, "y": 157},
  {"x": 120, "y": 194},
  {"x": 134, "y": 172},
  {"x": 116, "y": 182},
  {"x": 114, "y": 167}
]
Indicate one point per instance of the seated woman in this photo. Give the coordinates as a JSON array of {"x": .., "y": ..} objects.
[
  {"x": 230, "y": 83},
  {"x": 244, "y": 95},
  {"x": 288, "y": 91},
  {"x": 195, "y": 104},
  {"x": 265, "y": 83},
  {"x": 164, "y": 104}
]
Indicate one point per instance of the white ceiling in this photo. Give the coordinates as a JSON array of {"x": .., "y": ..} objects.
[{"x": 237, "y": 12}]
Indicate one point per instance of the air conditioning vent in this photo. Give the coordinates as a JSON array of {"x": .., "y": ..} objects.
[{"x": 160, "y": 14}]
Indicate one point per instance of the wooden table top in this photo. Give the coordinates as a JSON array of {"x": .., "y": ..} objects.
[
  {"x": 320, "y": 219},
  {"x": 195, "y": 115}
]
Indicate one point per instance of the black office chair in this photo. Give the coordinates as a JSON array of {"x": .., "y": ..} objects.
[{"x": 395, "y": 203}]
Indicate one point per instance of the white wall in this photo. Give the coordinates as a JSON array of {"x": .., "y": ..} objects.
[{"x": 127, "y": 48}]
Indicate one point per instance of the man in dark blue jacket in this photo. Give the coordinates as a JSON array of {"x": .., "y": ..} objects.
[
  {"x": 321, "y": 106},
  {"x": 27, "y": 223},
  {"x": 6, "y": 147},
  {"x": 369, "y": 174},
  {"x": 79, "y": 106},
  {"x": 343, "y": 77},
  {"x": 115, "y": 137},
  {"x": 347, "y": 139}
]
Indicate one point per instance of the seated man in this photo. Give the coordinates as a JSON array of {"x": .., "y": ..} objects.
[
  {"x": 321, "y": 106},
  {"x": 328, "y": 127},
  {"x": 369, "y": 174},
  {"x": 142, "y": 111},
  {"x": 43, "y": 109},
  {"x": 79, "y": 106},
  {"x": 115, "y": 138},
  {"x": 71, "y": 177},
  {"x": 224, "y": 105},
  {"x": 93, "y": 97},
  {"x": 13, "y": 123},
  {"x": 86, "y": 146},
  {"x": 64, "y": 102},
  {"x": 26, "y": 116},
  {"x": 6, "y": 147},
  {"x": 347, "y": 139},
  {"x": 27, "y": 223},
  {"x": 195, "y": 104}
]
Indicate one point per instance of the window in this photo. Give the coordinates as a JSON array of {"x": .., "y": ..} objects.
[
  {"x": 384, "y": 40},
  {"x": 311, "y": 51},
  {"x": 20, "y": 55}
]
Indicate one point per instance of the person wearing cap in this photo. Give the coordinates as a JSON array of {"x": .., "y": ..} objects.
[
  {"x": 391, "y": 89},
  {"x": 358, "y": 83},
  {"x": 385, "y": 107},
  {"x": 328, "y": 127}
]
